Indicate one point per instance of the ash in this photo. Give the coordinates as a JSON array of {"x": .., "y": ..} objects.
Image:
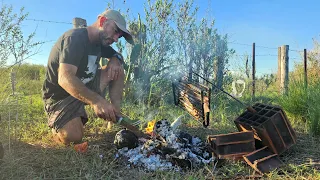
[{"x": 167, "y": 150}]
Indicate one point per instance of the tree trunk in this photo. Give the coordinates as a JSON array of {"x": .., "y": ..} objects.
[{"x": 219, "y": 72}]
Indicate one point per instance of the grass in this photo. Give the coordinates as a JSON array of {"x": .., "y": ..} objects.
[
  {"x": 31, "y": 154},
  {"x": 302, "y": 105},
  {"x": 34, "y": 156}
]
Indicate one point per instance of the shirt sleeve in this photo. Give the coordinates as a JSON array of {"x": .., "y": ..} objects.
[
  {"x": 72, "y": 50},
  {"x": 107, "y": 52}
]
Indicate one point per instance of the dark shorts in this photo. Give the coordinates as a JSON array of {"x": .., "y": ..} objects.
[{"x": 62, "y": 111}]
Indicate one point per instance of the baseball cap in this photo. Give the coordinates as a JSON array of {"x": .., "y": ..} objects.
[{"x": 120, "y": 22}]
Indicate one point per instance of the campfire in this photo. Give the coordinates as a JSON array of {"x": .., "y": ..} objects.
[{"x": 168, "y": 149}]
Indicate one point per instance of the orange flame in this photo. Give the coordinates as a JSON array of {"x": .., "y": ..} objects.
[{"x": 149, "y": 129}]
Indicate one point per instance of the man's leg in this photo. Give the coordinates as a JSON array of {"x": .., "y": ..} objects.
[
  {"x": 71, "y": 132},
  {"x": 115, "y": 89},
  {"x": 66, "y": 118}
]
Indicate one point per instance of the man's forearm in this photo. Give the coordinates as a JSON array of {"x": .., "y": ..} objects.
[
  {"x": 75, "y": 87},
  {"x": 116, "y": 91}
]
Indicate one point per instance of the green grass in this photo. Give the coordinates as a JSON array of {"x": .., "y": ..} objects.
[
  {"x": 31, "y": 154},
  {"x": 34, "y": 156},
  {"x": 302, "y": 105}
]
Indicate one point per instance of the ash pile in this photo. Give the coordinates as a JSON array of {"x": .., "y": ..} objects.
[{"x": 168, "y": 149}]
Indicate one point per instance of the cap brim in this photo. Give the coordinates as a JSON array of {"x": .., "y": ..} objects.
[{"x": 127, "y": 35}]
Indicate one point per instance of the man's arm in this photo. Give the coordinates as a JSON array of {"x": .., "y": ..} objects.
[
  {"x": 74, "y": 86},
  {"x": 68, "y": 80},
  {"x": 108, "y": 52}
]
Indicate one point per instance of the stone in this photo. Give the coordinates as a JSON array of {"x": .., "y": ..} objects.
[{"x": 126, "y": 138}]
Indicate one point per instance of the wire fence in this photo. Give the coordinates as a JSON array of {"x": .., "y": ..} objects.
[{"x": 266, "y": 57}]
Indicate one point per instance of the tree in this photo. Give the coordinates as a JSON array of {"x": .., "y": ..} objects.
[
  {"x": 13, "y": 42},
  {"x": 15, "y": 46},
  {"x": 313, "y": 59},
  {"x": 223, "y": 54},
  {"x": 150, "y": 57},
  {"x": 185, "y": 25}
]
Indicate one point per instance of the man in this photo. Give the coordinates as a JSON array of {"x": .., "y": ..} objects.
[{"x": 74, "y": 77}]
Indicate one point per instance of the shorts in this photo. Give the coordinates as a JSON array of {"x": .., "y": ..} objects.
[{"x": 62, "y": 111}]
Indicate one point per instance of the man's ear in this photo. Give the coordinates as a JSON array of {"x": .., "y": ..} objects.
[{"x": 102, "y": 20}]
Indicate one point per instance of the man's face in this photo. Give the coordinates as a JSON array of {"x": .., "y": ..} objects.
[{"x": 109, "y": 33}]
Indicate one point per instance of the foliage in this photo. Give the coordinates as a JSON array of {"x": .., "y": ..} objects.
[
  {"x": 302, "y": 101},
  {"x": 168, "y": 42},
  {"x": 303, "y": 104},
  {"x": 17, "y": 78},
  {"x": 13, "y": 42},
  {"x": 150, "y": 57},
  {"x": 186, "y": 31},
  {"x": 160, "y": 44}
]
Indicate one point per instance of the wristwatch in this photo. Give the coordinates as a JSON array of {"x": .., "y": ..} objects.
[{"x": 119, "y": 57}]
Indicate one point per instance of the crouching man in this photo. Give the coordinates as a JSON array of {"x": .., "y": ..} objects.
[{"x": 74, "y": 77}]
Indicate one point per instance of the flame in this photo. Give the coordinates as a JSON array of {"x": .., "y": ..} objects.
[{"x": 151, "y": 124}]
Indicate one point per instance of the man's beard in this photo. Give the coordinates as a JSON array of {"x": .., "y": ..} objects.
[{"x": 105, "y": 40}]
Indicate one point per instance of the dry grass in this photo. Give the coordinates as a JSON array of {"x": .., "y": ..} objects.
[{"x": 48, "y": 161}]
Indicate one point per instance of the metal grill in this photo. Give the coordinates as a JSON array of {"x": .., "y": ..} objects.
[{"x": 194, "y": 98}]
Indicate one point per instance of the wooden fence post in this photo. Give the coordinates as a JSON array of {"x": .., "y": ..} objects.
[
  {"x": 253, "y": 69},
  {"x": 305, "y": 68},
  {"x": 79, "y": 22},
  {"x": 283, "y": 68},
  {"x": 279, "y": 66}
]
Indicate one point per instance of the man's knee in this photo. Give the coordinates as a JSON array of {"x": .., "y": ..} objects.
[{"x": 72, "y": 132}]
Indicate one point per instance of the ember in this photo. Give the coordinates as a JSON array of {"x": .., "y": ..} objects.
[{"x": 167, "y": 150}]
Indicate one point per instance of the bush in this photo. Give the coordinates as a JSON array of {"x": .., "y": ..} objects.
[{"x": 303, "y": 104}]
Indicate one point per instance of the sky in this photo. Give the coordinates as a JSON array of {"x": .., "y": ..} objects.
[{"x": 267, "y": 23}]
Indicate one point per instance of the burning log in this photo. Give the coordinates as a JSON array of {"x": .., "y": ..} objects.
[
  {"x": 193, "y": 112},
  {"x": 194, "y": 98},
  {"x": 191, "y": 99},
  {"x": 183, "y": 91},
  {"x": 196, "y": 107}
]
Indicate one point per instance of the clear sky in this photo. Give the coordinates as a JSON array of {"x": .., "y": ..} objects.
[{"x": 268, "y": 23}]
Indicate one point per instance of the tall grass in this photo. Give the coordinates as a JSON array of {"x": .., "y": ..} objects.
[{"x": 302, "y": 105}]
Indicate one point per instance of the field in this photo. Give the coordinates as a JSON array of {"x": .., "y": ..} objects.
[
  {"x": 173, "y": 39},
  {"x": 31, "y": 154}
]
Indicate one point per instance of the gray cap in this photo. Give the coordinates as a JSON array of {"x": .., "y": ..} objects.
[{"x": 120, "y": 22}]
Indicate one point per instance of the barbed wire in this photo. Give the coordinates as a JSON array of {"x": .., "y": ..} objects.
[
  {"x": 231, "y": 42},
  {"x": 266, "y": 55},
  {"x": 250, "y": 45},
  {"x": 48, "y": 21}
]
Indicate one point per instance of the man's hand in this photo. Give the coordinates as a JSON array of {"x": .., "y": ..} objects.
[
  {"x": 114, "y": 68},
  {"x": 105, "y": 110}
]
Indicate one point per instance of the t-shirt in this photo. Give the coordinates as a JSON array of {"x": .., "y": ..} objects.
[{"x": 73, "y": 47}]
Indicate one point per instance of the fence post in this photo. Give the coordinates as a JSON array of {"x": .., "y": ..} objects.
[
  {"x": 279, "y": 66},
  {"x": 283, "y": 68},
  {"x": 253, "y": 69},
  {"x": 305, "y": 68},
  {"x": 79, "y": 22}
]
